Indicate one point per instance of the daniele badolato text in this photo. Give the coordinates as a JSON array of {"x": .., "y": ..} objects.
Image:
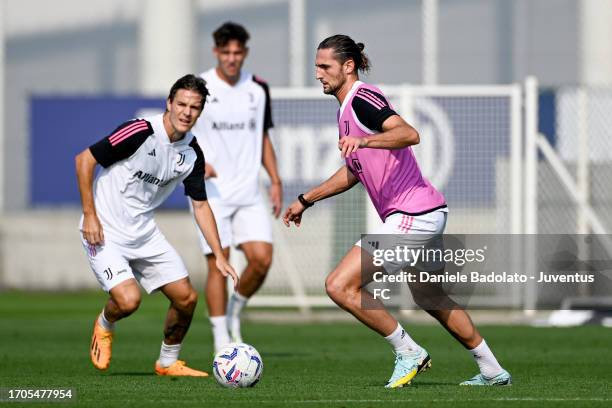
[
  {"x": 412, "y": 258},
  {"x": 479, "y": 277}
]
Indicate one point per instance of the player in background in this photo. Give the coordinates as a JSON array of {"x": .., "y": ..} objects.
[
  {"x": 234, "y": 135},
  {"x": 375, "y": 143},
  {"x": 143, "y": 161}
]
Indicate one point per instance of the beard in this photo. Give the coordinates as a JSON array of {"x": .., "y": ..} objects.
[{"x": 329, "y": 90}]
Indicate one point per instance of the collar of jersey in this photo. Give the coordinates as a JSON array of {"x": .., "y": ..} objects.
[
  {"x": 157, "y": 123},
  {"x": 243, "y": 77},
  {"x": 349, "y": 95}
]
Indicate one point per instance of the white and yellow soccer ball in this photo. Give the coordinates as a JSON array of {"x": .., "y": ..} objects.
[{"x": 238, "y": 365}]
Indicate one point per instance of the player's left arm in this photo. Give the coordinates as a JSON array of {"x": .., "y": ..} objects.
[
  {"x": 208, "y": 225},
  {"x": 268, "y": 158},
  {"x": 204, "y": 217},
  {"x": 269, "y": 162}
]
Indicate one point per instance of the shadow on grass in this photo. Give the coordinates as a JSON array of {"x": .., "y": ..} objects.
[
  {"x": 433, "y": 383},
  {"x": 285, "y": 354},
  {"x": 418, "y": 384},
  {"x": 133, "y": 374}
]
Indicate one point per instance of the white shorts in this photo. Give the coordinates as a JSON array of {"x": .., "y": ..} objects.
[
  {"x": 401, "y": 230},
  {"x": 238, "y": 224},
  {"x": 153, "y": 263}
]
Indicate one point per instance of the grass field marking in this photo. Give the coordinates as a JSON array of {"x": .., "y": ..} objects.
[
  {"x": 364, "y": 401},
  {"x": 449, "y": 400},
  {"x": 334, "y": 401}
]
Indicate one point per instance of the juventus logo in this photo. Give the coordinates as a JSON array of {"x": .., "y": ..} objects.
[
  {"x": 108, "y": 273},
  {"x": 346, "y": 128},
  {"x": 181, "y": 159}
]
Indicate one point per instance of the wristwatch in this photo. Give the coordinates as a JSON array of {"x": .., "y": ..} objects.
[{"x": 304, "y": 202}]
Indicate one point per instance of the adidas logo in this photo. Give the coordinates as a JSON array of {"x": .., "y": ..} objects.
[
  {"x": 214, "y": 100},
  {"x": 152, "y": 153}
]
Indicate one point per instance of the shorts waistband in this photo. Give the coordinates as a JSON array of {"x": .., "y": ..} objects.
[{"x": 413, "y": 214}]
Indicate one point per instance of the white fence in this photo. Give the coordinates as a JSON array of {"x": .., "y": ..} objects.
[{"x": 567, "y": 184}]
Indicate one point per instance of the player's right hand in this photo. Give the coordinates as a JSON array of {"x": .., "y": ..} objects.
[
  {"x": 226, "y": 269},
  {"x": 294, "y": 213},
  {"x": 209, "y": 171},
  {"x": 92, "y": 230}
]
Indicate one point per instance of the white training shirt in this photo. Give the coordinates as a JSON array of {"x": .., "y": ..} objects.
[
  {"x": 230, "y": 131},
  {"x": 141, "y": 167}
]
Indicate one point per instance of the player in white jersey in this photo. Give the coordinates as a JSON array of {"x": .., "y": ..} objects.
[
  {"x": 143, "y": 161},
  {"x": 234, "y": 135}
]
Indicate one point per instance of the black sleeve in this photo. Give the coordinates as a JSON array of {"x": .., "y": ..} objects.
[
  {"x": 371, "y": 108},
  {"x": 268, "y": 108},
  {"x": 122, "y": 142},
  {"x": 194, "y": 182}
]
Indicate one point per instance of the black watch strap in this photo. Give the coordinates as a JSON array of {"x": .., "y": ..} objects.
[{"x": 304, "y": 202}]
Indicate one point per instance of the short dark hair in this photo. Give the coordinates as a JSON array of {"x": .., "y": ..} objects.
[
  {"x": 345, "y": 48},
  {"x": 230, "y": 31},
  {"x": 192, "y": 83}
]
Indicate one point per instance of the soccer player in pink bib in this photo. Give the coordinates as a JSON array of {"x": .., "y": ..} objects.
[{"x": 375, "y": 143}]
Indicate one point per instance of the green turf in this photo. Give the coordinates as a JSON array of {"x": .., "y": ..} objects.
[{"x": 45, "y": 338}]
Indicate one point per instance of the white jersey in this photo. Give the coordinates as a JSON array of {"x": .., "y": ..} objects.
[
  {"x": 141, "y": 167},
  {"x": 231, "y": 133}
]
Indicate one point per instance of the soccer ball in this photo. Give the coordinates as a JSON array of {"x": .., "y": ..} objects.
[{"x": 237, "y": 365}]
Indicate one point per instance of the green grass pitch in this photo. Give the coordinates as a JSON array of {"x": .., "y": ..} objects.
[{"x": 45, "y": 339}]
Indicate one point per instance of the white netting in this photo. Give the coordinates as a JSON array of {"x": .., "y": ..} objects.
[
  {"x": 582, "y": 114},
  {"x": 575, "y": 162}
]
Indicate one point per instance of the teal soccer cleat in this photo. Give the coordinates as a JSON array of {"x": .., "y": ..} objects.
[
  {"x": 407, "y": 366},
  {"x": 501, "y": 379}
]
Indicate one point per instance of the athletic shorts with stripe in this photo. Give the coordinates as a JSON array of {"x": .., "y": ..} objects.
[
  {"x": 402, "y": 230},
  {"x": 153, "y": 263}
]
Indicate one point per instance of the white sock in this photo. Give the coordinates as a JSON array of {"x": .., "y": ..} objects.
[
  {"x": 220, "y": 333},
  {"x": 234, "y": 307},
  {"x": 489, "y": 367},
  {"x": 401, "y": 341},
  {"x": 106, "y": 325},
  {"x": 168, "y": 354}
]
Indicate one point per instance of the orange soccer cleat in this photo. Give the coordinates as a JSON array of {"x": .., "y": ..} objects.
[
  {"x": 101, "y": 347},
  {"x": 178, "y": 368}
]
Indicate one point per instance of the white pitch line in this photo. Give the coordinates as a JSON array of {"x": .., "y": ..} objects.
[
  {"x": 446, "y": 400},
  {"x": 331, "y": 401}
]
